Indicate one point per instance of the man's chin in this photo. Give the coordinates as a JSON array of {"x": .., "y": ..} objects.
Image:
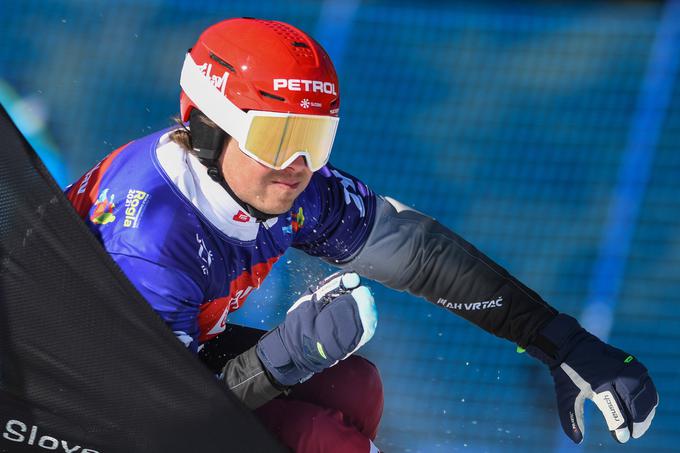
[
  {"x": 277, "y": 202},
  {"x": 277, "y": 209}
]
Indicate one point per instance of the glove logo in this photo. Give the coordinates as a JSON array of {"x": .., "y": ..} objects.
[
  {"x": 574, "y": 426},
  {"x": 608, "y": 399},
  {"x": 312, "y": 352}
]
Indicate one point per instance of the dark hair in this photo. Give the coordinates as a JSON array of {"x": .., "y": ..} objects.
[{"x": 182, "y": 135}]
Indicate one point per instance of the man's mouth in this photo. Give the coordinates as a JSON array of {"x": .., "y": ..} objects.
[{"x": 289, "y": 184}]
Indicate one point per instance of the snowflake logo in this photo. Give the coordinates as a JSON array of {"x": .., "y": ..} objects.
[{"x": 304, "y": 103}]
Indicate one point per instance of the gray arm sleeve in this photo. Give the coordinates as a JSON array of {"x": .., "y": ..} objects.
[
  {"x": 409, "y": 251},
  {"x": 246, "y": 377}
]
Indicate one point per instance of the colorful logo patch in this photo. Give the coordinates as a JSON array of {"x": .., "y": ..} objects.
[
  {"x": 103, "y": 209},
  {"x": 297, "y": 221},
  {"x": 135, "y": 202}
]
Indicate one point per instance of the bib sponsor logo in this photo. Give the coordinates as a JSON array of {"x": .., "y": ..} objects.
[
  {"x": 20, "y": 432},
  {"x": 234, "y": 303},
  {"x": 219, "y": 82},
  {"x": 241, "y": 217},
  {"x": 350, "y": 190},
  {"x": 103, "y": 209},
  {"x": 86, "y": 179},
  {"x": 486, "y": 304},
  {"x": 135, "y": 202},
  {"x": 212, "y": 317},
  {"x": 310, "y": 86},
  {"x": 204, "y": 254}
]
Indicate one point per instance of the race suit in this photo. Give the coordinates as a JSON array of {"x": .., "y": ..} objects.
[
  {"x": 195, "y": 255},
  {"x": 190, "y": 249}
]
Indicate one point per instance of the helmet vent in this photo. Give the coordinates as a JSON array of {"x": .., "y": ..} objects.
[
  {"x": 272, "y": 96},
  {"x": 297, "y": 39},
  {"x": 222, "y": 62}
]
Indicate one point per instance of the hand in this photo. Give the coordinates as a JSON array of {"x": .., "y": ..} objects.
[
  {"x": 584, "y": 367},
  {"x": 328, "y": 323}
]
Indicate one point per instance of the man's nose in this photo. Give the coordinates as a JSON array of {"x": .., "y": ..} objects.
[{"x": 297, "y": 165}]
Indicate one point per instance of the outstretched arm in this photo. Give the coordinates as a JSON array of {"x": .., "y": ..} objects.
[{"x": 409, "y": 251}]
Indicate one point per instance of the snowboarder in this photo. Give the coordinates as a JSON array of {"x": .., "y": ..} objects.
[{"x": 204, "y": 209}]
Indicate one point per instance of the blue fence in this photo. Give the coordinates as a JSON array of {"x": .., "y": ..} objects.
[{"x": 546, "y": 133}]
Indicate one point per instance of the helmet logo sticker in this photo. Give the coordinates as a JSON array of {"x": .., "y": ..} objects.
[
  {"x": 306, "y": 103},
  {"x": 313, "y": 86},
  {"x": 218, "y": 82}
]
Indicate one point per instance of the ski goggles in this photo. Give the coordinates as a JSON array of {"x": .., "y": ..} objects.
[{"x": 271, "y": 138}]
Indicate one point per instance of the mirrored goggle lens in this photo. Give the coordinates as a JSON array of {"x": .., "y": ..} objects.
[{"x": 278, "y": 140}]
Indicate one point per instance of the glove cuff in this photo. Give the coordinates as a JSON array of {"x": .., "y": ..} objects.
[
  {"x": 277, "y": 360},
  {"x": 548, "y": 345}
]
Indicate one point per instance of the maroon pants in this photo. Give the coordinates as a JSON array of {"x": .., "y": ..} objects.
[{"x": 337, "y": 410}]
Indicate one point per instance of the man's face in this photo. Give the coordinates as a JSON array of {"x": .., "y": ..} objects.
[{"x": 270, "y": 191}]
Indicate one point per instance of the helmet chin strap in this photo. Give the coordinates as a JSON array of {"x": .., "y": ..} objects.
[
  {"x": 259, "y": 216},
  {"x": 207, "y": 141}
]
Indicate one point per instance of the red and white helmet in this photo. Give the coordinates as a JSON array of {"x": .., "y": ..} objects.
[{"x": 268, "y": 85}]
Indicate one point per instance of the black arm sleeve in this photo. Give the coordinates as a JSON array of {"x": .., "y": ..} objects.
[
  {"x": 409, "y": 251},
  {"x": 247, "y": 378}
]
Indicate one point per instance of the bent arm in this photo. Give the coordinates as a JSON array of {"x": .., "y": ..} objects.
[
  {"x": 409, "y": 251},
  {"x": 176, "y": 298},
  {"x": 248, "y": 379}
]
